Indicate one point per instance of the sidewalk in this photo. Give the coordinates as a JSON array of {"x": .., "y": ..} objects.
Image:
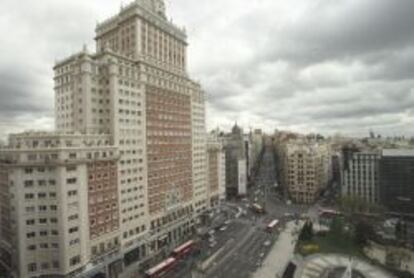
[{"x": 280, "y": 255}]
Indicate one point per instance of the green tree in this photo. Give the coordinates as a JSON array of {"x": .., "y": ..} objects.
[
  {"x": 306, "y": 233},
  {"x": 362, "y": 233},
  {"x": 337, "y": 227}
]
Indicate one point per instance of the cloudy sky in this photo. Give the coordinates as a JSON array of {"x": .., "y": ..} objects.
[{"x": 327, "y": 66}]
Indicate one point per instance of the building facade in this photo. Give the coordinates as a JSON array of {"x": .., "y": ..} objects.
[
  {"x": 396, "y": 175},
  {"x": 305, "y": 171},
  {"x": 257, "y": 139},
  {"x": 216, "y": 172},
  {"x": 128, "y": 158},
  {"x": 236, "y": 162},
  {"x": 360, "y": 176},
  {"x": 63, "y": 199}
]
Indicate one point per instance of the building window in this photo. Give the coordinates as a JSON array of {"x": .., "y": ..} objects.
[
  {"x": 32, "y": 267},
  {"x": 43, "y": 220},
  {"x": 31, "y": 235},
  {"x": 31, "y": 247},
  {"x": 71, "y": 168},
  {"x": 74, "y": 260},
  {"x": 30, "y": 209},
  {"x": 55, "y": 264},
  {"x": 45, "y": 265},
  {"x": 71, "y": 181},
  {"x": 28, "y": 183},
  {"x": 44, "y": 245},
  {"x": 73, "y": 230},
  {"x": 72, "y": 193},
  {"x": 30, "y": 222},
  {"x": 43, "y": 233},
  {"x": 41, "y": 195}
]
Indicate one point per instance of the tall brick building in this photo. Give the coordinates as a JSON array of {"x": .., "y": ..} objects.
[{"x": 124, "y": 176}]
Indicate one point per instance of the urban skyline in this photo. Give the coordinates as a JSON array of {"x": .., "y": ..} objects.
[
  {"x": 258, "y": 140},
  {"x": 347, "y": 84}
]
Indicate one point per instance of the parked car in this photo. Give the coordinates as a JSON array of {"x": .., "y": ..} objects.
[
  {"x": 212, "y": 244},
  {"x": 223, "y": 228}
]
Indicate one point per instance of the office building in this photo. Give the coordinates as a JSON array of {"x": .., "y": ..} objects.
[
  {"x": 396, "y": 181},
  {"x": 360, "y": 175},
  {"x": 124, "y": 176},
  {"x": 236, "y": 162}
]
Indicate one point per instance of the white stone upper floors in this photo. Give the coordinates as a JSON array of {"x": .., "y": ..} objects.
[
  {"x": 55, "y": 147},
  {"x": 141, "y": 32},
  {"x": 148, "y": 9}
]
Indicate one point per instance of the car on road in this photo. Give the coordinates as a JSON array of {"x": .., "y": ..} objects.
[
  {"x": 267, "y": 243},
  {"x": 223, "y": 228},
  {"x": 227, "y": 222},
  {"x": 212, "y": 244}
]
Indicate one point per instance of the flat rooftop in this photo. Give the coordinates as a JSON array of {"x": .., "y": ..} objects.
[{"x": 398, "y": 152}]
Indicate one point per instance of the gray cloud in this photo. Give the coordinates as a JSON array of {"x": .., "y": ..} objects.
[{"x": 321, "y": 65}]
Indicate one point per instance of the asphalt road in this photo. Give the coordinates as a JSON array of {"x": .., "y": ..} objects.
[
  {"x": 246, "y": 257},
  {"x": 243, "y": 241}
]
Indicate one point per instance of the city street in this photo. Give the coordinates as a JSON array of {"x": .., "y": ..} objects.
[
  {"x": 250, "y": 252},
  {"x": 243, "y": 247}
]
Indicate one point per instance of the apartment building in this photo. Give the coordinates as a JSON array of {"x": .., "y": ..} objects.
[
  {"x": 305, "y": 171},
  {"x": 128, "y": 157},
  {"x": 63, "y": 206},
  {"x": 216, "y": 171}
]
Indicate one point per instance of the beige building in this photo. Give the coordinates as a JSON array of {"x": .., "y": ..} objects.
[
  {"x": 128, "y": 158},
  {"x": 216, "y": 172},
  {"x": 305, "y": 170},
  {"x": 63, "y": 207}
]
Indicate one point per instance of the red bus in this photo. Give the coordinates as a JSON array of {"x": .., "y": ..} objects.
[
  {"x": 257, "y": 208},
  {"x": 272, "y": 225},
  {"x": 161, "y": 269},
  {"x": 183, "y": 249}
]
